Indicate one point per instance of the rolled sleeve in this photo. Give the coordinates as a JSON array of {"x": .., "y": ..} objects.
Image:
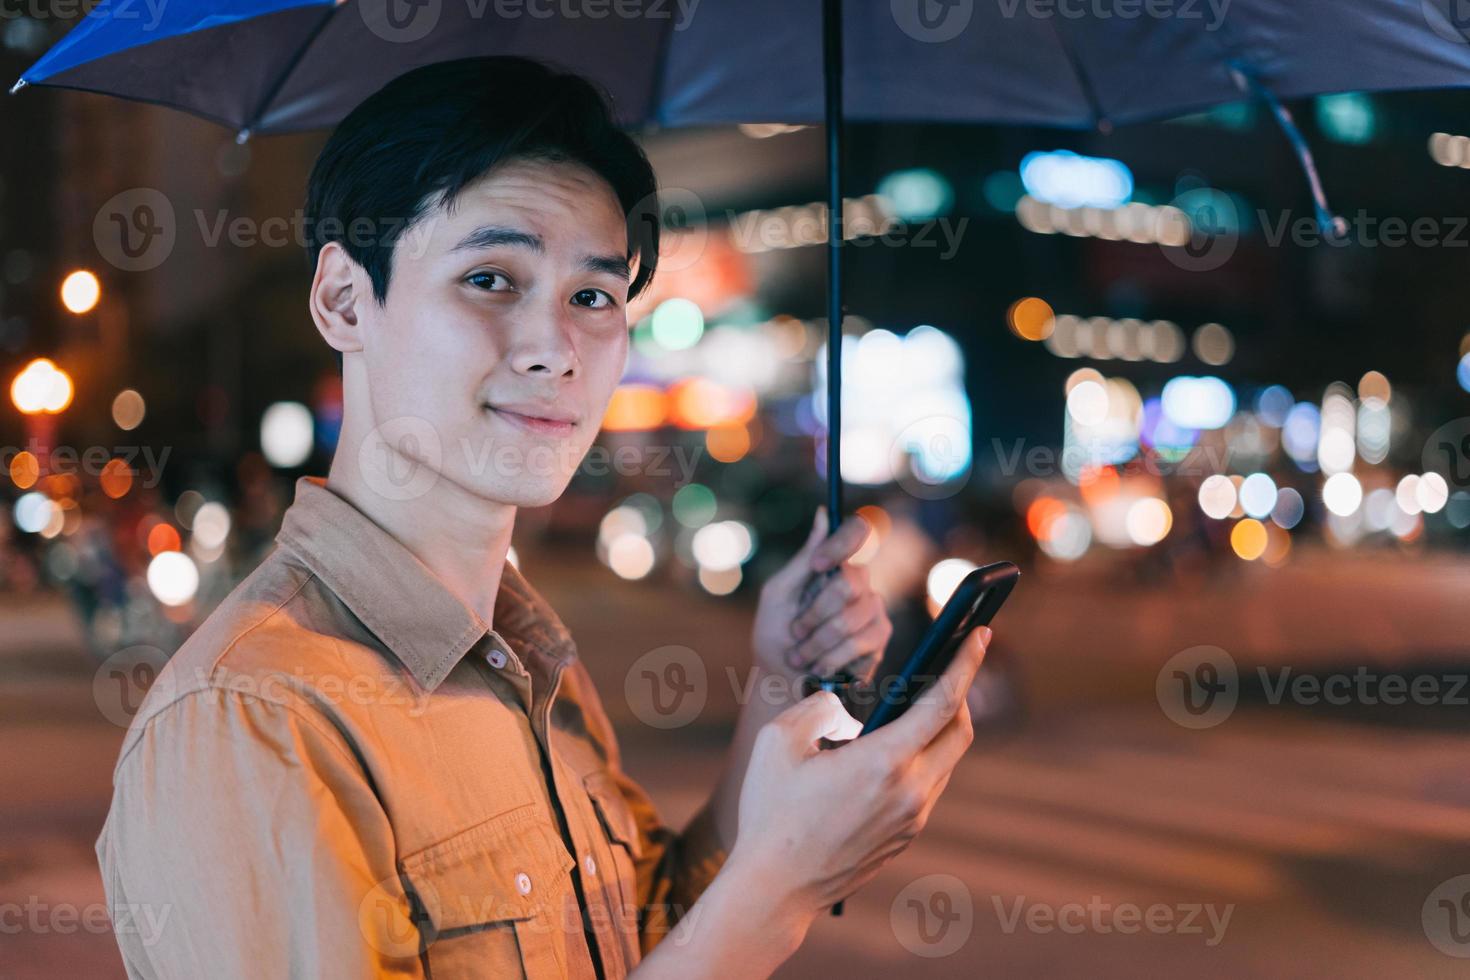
[{"x": 245, "y": 840}]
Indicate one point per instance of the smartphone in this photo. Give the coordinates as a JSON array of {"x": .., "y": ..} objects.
[{"x": 974, "y": 602}]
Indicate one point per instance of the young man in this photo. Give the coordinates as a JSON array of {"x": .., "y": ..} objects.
[{"x": 381, "y": 754}]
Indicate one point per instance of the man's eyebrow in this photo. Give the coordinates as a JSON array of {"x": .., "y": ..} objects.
[
  {"x": 613, "y": 265},
  {"x": 496, "y": 236},
  {"x": 493, "y": 236}
]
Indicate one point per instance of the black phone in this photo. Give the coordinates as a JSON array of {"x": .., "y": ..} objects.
[{"x": 973, "y": 603}]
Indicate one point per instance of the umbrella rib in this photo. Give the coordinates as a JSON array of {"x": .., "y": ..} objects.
[
  {"x": 281, "y": 78},
  {"x": 1100, "y": 119}
]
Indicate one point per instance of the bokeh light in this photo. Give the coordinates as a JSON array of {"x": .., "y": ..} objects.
[
  {"x": 677, "y": 324},
  {"x": 1342, "y": 494},
  {"x": 80, "y": 291},
  {"x": 173, "y": 578},
  {"x": 1149, "y": 521},
  {"x": 41, "y": 388},
  {"x": 1031, "y": 318},
  {"x": 945, "y": 576},
  {"x": 1217, "y": 496},
  {"x": 1248, "y": 539},
  {"x": 128, "y": 409},
  {"x": 287, "y": 434}
]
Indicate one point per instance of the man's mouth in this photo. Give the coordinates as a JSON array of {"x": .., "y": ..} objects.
[{"x": 540, "y": 419}]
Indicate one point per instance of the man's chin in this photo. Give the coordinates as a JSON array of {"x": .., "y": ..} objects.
[{"x": 528, "y": 492}]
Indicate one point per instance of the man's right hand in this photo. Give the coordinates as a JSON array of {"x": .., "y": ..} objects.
[{"x": 815, "y": 826}]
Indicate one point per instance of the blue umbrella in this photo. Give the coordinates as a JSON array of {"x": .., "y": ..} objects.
[{"x": 265, "y": 66}]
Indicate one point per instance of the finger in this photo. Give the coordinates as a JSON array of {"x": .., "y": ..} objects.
[
  {"x": 940, "y": 702},
  {"x": 940, "y": 756},
  {"x": 866, "y": 645},
  {"x": 852, "y": 618},
  {"x": 837, "y": 591},
  {"x": 842, "y": 544},
  {"x": 796, "y": 570},
  {"x": 814, "y": 718},
  {"x": 814, "y": 538}
]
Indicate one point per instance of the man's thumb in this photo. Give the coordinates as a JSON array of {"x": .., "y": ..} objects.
[
  {"x": 817, "y": 536},
  {"x": 817, "y": 717}
]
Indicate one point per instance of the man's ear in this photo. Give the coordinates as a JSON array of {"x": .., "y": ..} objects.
[{"x": 338, "y": 291}]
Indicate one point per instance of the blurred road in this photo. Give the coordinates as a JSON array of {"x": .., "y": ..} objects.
[{"x": 1100, "y": 840}]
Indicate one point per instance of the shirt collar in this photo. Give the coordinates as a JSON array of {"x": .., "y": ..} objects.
[{"x": 401, "y": 600}]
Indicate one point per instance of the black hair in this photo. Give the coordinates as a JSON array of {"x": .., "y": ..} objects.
[{"x": 416, "y": 143}]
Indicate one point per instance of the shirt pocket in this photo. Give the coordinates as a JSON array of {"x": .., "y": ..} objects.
[
  {"x": 495, "y": 900},
  {"x": 625, "y": 845}
]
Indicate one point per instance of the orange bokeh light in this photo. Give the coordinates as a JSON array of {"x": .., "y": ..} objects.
[
  {"x": 1031, "y": 318},
  {"x": 1040, "y": 515},
  {"x": 163, "y": 537},
  {"x": 635, "y": 408},
  {"x": 699, "y": 403},
  {"x": 116, "y": 479},
  {"x": 25, "y": 470},
  {"x": 728, "y": 443}
]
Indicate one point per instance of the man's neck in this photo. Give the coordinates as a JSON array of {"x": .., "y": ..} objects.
[{"x": 462, "y": 538}]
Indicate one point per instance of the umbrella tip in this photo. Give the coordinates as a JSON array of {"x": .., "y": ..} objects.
[
  {"x": 243, "y": 135},
  {"x": 20, "y": 83}
]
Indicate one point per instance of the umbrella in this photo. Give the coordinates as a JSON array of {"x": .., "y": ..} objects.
[{"x": 265, "y": 66}]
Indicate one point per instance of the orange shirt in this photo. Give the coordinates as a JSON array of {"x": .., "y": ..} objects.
[{"x": 345, "y": 772}]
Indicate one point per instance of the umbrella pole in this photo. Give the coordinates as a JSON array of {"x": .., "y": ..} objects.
[
  {"x": 832, "y": 78},
  {"x": 832, "y": 98}
]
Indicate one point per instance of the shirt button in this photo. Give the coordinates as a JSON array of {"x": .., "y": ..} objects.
[
  {"x": 589, "y": 865},
  {"x": 496, "y": 658},
  {"x": 523, "y": 883}
]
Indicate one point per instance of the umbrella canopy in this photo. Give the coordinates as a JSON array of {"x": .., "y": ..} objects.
[
  {"x": 270, "y": 66},
  {"x": 280, "y": 65}
]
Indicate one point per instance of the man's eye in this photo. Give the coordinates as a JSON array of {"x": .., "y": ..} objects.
[
  {"x": 489, "y": 281},
  {"x": 592, "y": 298}
]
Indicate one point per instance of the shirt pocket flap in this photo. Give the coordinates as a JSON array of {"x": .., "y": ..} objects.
[
  {"x": 512, "y": 867},
  {"x": 613, "y": 810}
]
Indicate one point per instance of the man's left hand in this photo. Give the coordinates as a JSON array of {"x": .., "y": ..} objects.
[{"x": 844, "y": 624}]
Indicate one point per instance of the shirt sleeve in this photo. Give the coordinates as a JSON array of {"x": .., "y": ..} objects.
[
  {"x": 245, "y": 841},
  {"x": 675, "y": 867}
]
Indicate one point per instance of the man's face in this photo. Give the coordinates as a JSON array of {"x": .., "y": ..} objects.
[{"x": 504, "y": 331}]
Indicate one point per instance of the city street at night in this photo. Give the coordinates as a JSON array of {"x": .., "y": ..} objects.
[{"x": 1318, "y": 839}]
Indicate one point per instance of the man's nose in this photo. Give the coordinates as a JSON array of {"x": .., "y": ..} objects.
[{"x": 542, "y": 347}]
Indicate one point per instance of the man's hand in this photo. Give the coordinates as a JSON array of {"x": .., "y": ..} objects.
[
  {"x": 817, "y": 825},
  {"x": 844, "y": 624}
]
